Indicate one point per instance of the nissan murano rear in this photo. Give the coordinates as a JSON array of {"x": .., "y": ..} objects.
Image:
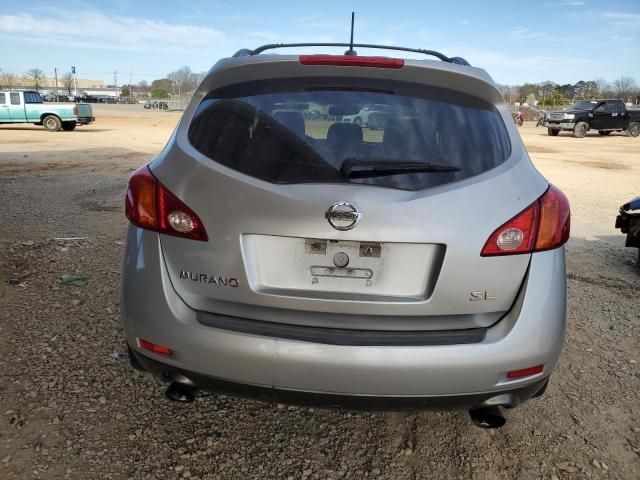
[{"x": 281, "y": 249}]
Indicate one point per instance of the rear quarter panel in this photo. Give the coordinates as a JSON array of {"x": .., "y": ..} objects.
[{"x": 36, "y": 111}]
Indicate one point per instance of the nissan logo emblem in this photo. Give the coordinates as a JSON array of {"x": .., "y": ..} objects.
[{"x": 343, "y": 215}]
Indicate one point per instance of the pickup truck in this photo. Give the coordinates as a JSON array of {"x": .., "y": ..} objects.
[
  {"x": 27, "y": 107},
  {"x": 605, "y": 116}
]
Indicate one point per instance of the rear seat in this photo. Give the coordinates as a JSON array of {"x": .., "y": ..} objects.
[{"x": 345, "y": 140}]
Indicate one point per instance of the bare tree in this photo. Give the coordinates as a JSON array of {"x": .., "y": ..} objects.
[
  {"x": 67, "y": 82},
  {"x": 623, "y": 87},
  {"x": 602, "y": 86},
  {"x": 7, "y": 80},
  {"x": 509, "y": 92},
  {"x": 37, "y": 78},
  {"x": 199, "y": 77},
  {"x": 183, "y": 79}
]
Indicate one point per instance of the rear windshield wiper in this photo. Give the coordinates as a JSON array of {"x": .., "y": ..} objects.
[{"x": 367, "y": 168}]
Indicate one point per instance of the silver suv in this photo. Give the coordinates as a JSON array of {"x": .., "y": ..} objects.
[{"x": 298, "y": 258}]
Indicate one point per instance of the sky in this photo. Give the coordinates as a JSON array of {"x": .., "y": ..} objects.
[{"x": 516, "y": 41}]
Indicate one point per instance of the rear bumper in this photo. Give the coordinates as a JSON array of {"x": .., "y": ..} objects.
[
  {"x": 507, "y": 398},
  {"x": 85, "y": 120},
  {"x": 531, "y": 334}
]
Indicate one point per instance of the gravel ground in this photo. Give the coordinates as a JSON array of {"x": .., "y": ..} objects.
[{"x": 71, "y": 407}]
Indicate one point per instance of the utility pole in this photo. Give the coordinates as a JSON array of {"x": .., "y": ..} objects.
[
  {"x": 56, "y": 75},
  {"x": 130, "y": 86},
  {"x": 115, "y": 82},
  {"x": 75, "y": 85}
]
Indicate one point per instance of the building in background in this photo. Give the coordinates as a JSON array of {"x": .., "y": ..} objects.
[{"x": 84, "y": 86}]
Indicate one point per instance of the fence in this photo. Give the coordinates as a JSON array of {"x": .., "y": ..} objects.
[{"x": 528, "y": 112}]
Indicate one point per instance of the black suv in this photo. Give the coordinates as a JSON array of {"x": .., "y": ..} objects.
[{"x": 606, "y": 116}]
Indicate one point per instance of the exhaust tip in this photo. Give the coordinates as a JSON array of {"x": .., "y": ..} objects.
[
  {"x": 181, "y": 392},
  {"x": 487, "y": 417}
]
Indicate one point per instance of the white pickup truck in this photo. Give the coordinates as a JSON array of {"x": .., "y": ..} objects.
[{"x": 27, "y": 107}]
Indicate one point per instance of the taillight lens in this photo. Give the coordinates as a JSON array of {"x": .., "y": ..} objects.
[
  {"x": 543, "y": 225},
  {"x": 352, "y": 61},
  {"x": 154, "y": 347},
  {"x": 75, "y": 110},
  {"x": 555, "y": 220},
  {"x": 150, "y": 205},
  {"x": 525, "y": 372}
]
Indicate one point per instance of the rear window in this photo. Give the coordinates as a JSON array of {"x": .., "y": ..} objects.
[{"x": 395, "y": 135}]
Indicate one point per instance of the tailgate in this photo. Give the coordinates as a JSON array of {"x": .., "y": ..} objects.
[
  {"x": 84, "y": 110},
  {"x": 318, "y": 221},
  {"x": 276, "y": 251}
]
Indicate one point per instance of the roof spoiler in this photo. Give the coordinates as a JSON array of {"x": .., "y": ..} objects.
[{"x": 247, "y": 52}]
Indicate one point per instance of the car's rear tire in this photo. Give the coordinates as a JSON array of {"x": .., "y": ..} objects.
[
  {"x": 604, "y": 132},
  {"x": 68, "y": 126},
  {"x": 52, "y": 123},
  {"x": 633, "y": 130},
  {"x": 580, "y": 130},
  {"x": 553, "y": 132}
]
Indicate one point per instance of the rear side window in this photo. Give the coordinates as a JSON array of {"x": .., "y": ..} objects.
[
  {"x": 612, "y": 107},
  {"x": 15, "y": 98},
  {"x": 395, "y": 135},
  {"x": 32, "y": 97},
  {"x": 3, "y": 98}
]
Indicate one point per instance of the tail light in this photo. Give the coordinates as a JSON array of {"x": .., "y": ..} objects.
[
  {"x": 352, "y": 61},
  {"x": 525, "y": 372},
  {"x": 150, "y": 205},
  {"x": 75, "y": 110},
  {"x": 543, "y": 225},
  {"x": 153, "y": 347}
]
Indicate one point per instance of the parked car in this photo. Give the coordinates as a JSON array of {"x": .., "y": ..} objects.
[
  {"x": 605, "y": 116},
  {"x": 90, "y": 99},
  {"x": 27, "y": 107},
  {"x": 273, "y": 255},
  {"x": 628, "y": 221},
  {"x": 371, "y": 116},
  {"x": 157, "y": 104}
]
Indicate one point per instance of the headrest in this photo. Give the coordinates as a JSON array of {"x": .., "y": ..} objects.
[{"x": 341, "y": 133}]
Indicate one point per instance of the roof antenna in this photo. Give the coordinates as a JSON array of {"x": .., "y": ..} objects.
[{"x": 351, "y": 51}]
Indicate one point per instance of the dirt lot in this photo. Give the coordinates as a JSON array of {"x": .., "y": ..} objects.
[{"x": 71, "y": 407}]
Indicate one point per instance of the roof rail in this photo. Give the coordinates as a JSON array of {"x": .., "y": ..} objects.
[{"x": 247, "y": 52}]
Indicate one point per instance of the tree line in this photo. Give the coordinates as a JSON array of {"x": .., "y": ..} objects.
[
  {"x": 551, "y": 94},
  {"x": 184, "y": 81},
  {"x": 176, "y": 83},
  {"x": 37, "y": 80}
]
